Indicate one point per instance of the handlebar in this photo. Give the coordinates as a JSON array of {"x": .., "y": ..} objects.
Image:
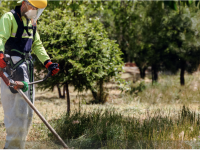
[{"x": 49, "y": 74}]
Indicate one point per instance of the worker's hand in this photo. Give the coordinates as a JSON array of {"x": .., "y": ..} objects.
[
  {"x": 2, "y": 61},
  {"x": 53, "y": 67}
]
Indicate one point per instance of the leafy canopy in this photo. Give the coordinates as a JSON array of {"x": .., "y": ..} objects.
[{"x": 82, "y": 49}]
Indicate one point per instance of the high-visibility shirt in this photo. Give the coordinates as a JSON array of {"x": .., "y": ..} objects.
[{"x": 8, "y": 28}]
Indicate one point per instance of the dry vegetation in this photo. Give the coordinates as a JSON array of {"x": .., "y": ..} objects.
[{"x": 166, "y": 98}]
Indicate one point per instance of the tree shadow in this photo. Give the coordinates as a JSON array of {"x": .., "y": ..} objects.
[{"x": 46, "y": 98}]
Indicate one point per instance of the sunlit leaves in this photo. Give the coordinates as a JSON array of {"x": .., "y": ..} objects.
[{"x": 82, "y": 49}]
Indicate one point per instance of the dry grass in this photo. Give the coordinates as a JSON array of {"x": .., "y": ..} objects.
[{"x": 167, "y": 96}]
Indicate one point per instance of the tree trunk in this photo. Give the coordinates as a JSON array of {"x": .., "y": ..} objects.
[
  {"x": 68, "y": 98},
  {"x": 182, "y": 79},
  {"x": 142, "y": 72},
  {"x": 59, "y": 91},
  {"x": 94, "y": 94},
  {"x": 154, "y": 71},
  {"x": 64, "y": 90},
  {"x": 101, "y": 93},
  {"x": 99, "y": 96}
]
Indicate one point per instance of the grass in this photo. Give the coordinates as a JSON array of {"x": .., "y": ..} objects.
[
  {"x": 109, "y": 129},
  {"x": 168, "y": 90},
  {"x": 151, "y": 116}
]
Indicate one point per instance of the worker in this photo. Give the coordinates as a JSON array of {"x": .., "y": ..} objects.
[{"x": 18, "y": 38}]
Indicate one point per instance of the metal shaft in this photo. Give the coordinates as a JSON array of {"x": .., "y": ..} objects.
[
  {"x": 48, "y": 75},
  {"x": 42, "y": 118},
  {"x": 30, "y": 83}
]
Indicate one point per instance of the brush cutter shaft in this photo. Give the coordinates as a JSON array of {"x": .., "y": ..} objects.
[{"x": 42, "y": 118}]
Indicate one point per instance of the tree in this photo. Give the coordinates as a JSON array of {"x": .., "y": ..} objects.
[
  {"x": 183, "y": 32},
  {"x": 86, "y": 56}
]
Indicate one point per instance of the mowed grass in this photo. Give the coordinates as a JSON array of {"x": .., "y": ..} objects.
[{"x": 152, "y": 116}]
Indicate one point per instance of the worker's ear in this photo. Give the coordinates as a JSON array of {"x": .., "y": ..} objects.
[{"x": 23, "y": 2}]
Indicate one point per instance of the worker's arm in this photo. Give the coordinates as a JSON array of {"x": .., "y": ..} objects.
[
  {"x": 39, "y": 50},
  {"x": 42, "y": 55},
  {"x": 5, "y": 29}
]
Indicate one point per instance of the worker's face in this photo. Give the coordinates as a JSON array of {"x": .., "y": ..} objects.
[{"x": 26, "y": 7}]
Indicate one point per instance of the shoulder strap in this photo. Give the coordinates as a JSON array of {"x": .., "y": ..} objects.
[
  {"x": 34, "y": 28},
  {"x": 34, "y": 31},
  {"x": 20, "y": 24}
]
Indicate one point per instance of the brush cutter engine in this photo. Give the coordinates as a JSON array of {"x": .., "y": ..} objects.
[{"x": 17, "y": 84}]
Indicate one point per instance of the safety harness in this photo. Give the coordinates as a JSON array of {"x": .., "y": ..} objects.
[{"x": 18, "y": 46}]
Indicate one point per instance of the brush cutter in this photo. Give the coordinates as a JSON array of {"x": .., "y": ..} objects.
[{"x": 18, "y": 85}]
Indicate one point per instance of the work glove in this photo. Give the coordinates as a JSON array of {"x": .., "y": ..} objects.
[
  {"x": 53, "y": 67},
  {"x": 2, "y": 61}
]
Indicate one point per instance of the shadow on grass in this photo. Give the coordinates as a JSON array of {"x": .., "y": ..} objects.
[{"x": 46, "y": 98}]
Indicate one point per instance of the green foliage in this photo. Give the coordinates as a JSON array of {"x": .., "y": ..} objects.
[
  {"x": 145, "y": 33},
  {"x": 164, "y": 38},
  {"x": 82, "y": 49},
  {"x": 183, "y": 34},
  {"x": 174, "y": 4},
  {"x": 6, "y": 6},
  {"x": 171, "y": 4}
]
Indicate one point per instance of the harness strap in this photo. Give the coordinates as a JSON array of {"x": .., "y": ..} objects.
[
  {"x": 31, "y": 80},
  {"x": 20, "y": 24},
  {"x": 17, "y": 64},
  {"x": 21, "y": 27},
  {"x": 30, "y": 72},
  {"x": 34, "y": 31}
]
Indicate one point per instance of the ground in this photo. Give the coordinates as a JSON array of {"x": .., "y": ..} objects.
[{"x": 51, "y": 107}]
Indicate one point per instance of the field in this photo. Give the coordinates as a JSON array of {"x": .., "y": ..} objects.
[{"x": 165, "y": 114}]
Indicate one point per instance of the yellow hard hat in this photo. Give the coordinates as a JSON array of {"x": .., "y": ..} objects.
[{"x": 36, "y": 3}]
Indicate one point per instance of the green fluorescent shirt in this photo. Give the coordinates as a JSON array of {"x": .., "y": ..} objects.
[{"x": 8, "y": 28}]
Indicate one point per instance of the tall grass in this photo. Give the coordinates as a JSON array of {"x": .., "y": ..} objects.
[
  {"x": 109, "y": 129},
  {"x": 158, "y": 127}
]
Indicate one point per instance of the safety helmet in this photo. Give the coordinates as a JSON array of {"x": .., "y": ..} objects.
[{"x": 36, "y": 3}]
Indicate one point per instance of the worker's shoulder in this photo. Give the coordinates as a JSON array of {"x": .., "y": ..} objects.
[{"x": 8, "y": 15}]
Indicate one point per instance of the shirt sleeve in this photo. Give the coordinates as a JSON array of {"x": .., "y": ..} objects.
[
  {"x": 5, "y": 30},
  {"x": 39, "y": 50}
]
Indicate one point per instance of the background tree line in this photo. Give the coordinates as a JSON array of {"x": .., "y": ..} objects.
[{"x": 91, "y": 40}]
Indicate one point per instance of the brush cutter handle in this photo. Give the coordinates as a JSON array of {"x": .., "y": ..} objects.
[{"x": 49, "y": 74}]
